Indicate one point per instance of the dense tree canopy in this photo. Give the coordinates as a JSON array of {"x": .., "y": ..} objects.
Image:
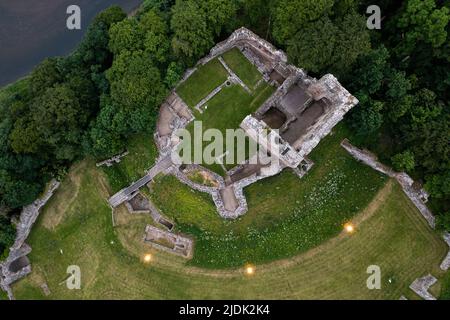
[
  {"x": 292, "y": 15},
  {"x": 319, "y": 40},
  {"x": 313, "y": 46},
  {"x": 404, "y": 161},
  {"x": 196, "y": 23},
  {"x": 53, "y": 125},
  {"x": 423, "y": 21},
  {"x": 192, "y": 35},
  {"x": 136, "y": 88},
  {"x": 7, "y": 236}
]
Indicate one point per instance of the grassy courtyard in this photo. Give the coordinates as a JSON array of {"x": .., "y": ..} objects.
[
  {"x": 204, "y": 80},
  {"x": 243, "y": 68},
  {"x": 76, "y": 228},
  {"x": 226, "y": 110},
  {"x": 231, "y": 105}
]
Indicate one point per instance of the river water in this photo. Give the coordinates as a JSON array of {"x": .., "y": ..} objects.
[{"x": 31, "y": 30}]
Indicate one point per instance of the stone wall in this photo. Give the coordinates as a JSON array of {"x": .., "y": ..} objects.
[
  {"x": 109, "y": 162},
  {"x": 236, "y": 39},
  {"x": 421, "y": 286},
  {"x": 20, "y": 249},
  {"x": 342, "y": 102},
  {"x": 417, "y": 196},
  {"x": 215, "y": 193},
  {"x": 445, "y": 265},
  {"x": 266, "y": 58},
  {"x": 403, "y": 179},
  {"x": 243, "y": 35}
]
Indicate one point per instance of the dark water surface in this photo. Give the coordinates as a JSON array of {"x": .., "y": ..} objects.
[{"x": 31, "y": 30}]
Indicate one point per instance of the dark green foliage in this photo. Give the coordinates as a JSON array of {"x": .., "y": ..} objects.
[
  {"x": 439, "y": 185},
  {"x": 353, "y": 41},
  {"x": 370, "y": 70},
  {"x": 44, "y": 76},
  {"x": 196, "y": 23},
  {"x": 422, "y": 21},
  {"x": 403, "y": 161},
  {"x": 320, "y": 38},
  {"x": 367, "y": 118},
  {"x": 173, "y": 74},
  {"x": 137, "y": 89},
  {"x": 192, "y": 37},
  {"x": 443, "y": 223},
  {"x": 7, "y": 236},
  {"x": 44, "y": 119},
  {"x": 257, "y": 16},
  {"x": 292, "y": 15},
  {"x": 162, "y": 5},
  {"x": 53, "y": 125}
]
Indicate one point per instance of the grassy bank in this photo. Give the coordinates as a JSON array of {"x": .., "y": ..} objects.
[{"x": 390, "y": 233}]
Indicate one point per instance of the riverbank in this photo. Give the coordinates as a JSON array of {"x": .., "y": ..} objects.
[{"x": 29, "y": 34}]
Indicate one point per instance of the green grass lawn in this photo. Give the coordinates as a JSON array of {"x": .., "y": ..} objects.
[
  {"x": 202, "y": 82},
  {"x": 3, "y": 295},
  {"x": 286, "y": 216},
  {"x": 227, "y": 109},
  {"x": 392, "y": 235},
  {"x": 244, "y": 69},
  {"x": 142, "y": 155}
]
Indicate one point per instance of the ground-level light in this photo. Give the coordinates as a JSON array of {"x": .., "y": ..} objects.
[
  {"x": 148, "y": 258},
  {"x": 250, "y": 270},
  {"x": 349, "y": 227}
]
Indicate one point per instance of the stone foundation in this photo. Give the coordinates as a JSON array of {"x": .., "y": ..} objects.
[{"x": 421, "y": 286}]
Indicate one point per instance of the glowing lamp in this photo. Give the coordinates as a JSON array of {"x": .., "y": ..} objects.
[{"x": 349, "y": 227}]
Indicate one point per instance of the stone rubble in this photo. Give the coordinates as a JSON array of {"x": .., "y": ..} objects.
[
  {"x": 445, "y": 265},
  {"x": 110, "y": 162},
  {"x": 20, "y": 249},
  {"x": 421, "y": 286},
  {"x": 169, "y": 242},
  {"x": 304, "y": 167}
]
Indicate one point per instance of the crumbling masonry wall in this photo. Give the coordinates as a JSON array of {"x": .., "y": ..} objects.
[
  {"x": 20, "y": 249},
  {"x": 417, "y": 196},
  {"x": 403, "y": 179}
]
